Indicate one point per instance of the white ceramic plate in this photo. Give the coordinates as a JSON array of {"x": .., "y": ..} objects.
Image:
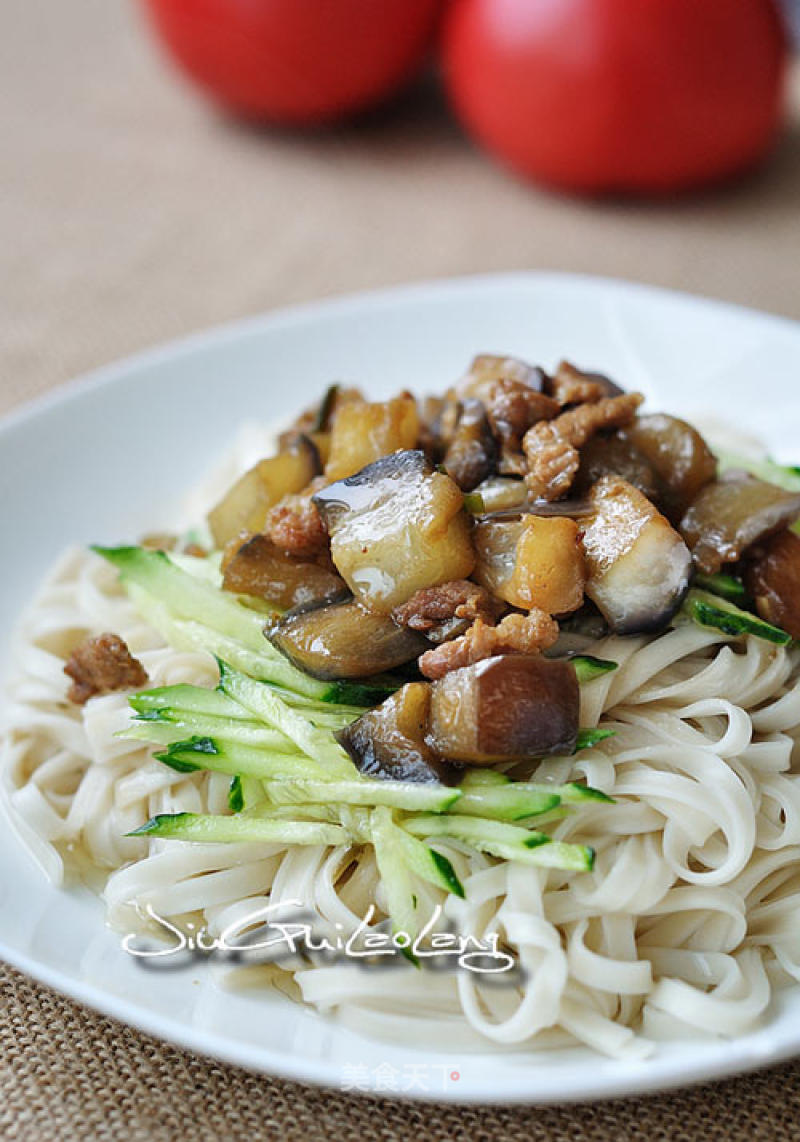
[{"x": 109, "y": 458}]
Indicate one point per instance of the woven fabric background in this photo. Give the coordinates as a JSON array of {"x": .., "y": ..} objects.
[{"x": 129, "y": 214}]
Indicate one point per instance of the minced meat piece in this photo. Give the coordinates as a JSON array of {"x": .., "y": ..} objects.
[
  {"x": 102, "y": 665},
  {"x": 516, "y": 634},
  {"x": 296, "y": 526},
  {"x": 552, "y": 446},
  {"x": 431, "y": 606}
]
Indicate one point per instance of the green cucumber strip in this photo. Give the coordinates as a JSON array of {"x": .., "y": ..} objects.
[
  {"x": 186, "y": 699},
  {"x": 316, "y": 742},
  {"x": 194, "y": 614},
  {"x": 727, "y": 586},
  {"x": 232, "y": 830},
  {"x": 394, "y": 871},
  {"x": 480, "y": 776},
  {"x": 588, "y": 667},
  {"x": 574, "y": 793},
  {"x": 588, "y": 738},
  {"x": 711, "y": 611},
  {"x": 165, "y": 730},
  {"x": 508, "y": 842},
  {"x": 186, "y": 634},
  {"x": 428, "y": 864},
  {"x": 516, "y": 800},
  {"x": 411, "y": 796},
  {"x": 185, "y": 596},
  {"x": 359, "y": 693},
  {"x": 244, "y": 793},
  {"x": 329, "y": 813},
  {"x": 218, "y": 757},
  {"x": 506, "y": 802}
]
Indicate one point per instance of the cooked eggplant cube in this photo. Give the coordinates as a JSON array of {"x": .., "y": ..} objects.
[
  {"x": 772, "y": 577},
  {"x": 614, "y": 455},
  {"x": 389, "y": 741},
  {"x": 535, "y": 561},
  {"x": 732, "y": 514},
  {"x": 364, "y": 432},
  {"x": 395, "y": 527},
  {"x": 506, "y": 708},
  {"x": 255, "y": 566},
  {"x": 471, "y": 455},
  {"x": 487, "y": 368},
  {"x": 677, "y": 454},
  {"x": 345, "y": 640},
  {"x": 639, "y": 567},
  {"x": 244, "y": 507}
]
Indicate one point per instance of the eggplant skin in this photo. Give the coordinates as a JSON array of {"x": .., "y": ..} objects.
[
  {"x": 344, "y": 641},
  {"x": 507, "y": 708},
  {"x": 732, "y": 514},
  {"x": 396, "y": 527},
  {"x": 388, "y": 742},
  {"x": 772, "y": 576},
  {"x": 639, "y": 567}
]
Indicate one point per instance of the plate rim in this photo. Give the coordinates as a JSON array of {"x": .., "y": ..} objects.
[{"x": 740, "y": 1056}]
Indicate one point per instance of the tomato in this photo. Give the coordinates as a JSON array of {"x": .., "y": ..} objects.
[
  {"x": 618, "y": 95},
  {"x": 297, "y": 61}
]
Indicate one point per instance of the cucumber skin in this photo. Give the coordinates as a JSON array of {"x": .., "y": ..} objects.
[
  {"x": 588, "y": 667},
  {"x": 708, "y": 611},
  {"x": 209, "y": 829}
]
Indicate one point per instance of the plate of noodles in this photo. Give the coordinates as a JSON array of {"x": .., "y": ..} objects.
[{"x": 401, "y": 692}]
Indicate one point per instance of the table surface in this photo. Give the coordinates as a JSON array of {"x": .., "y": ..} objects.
[{"x": 131, "y": 214}]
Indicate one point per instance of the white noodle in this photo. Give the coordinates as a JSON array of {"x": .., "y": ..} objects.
[{"x": 689, "y": 916}]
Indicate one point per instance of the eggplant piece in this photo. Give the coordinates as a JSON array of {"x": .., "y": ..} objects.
[
  {"x": 364, "y": 432},
  {"x": 772, "y": 576},
  {"x": 389, "y": 741},
  {"x": 732, "y": 514},
  {"x": 244, "y": 507},
  {"x": 344, "y": 640},
  {"x": 396, "y": 526},
  {"x": 678, "y": 456},
  {"x": 614, "y": 455},
  {"x": 255, "y": 566},
  {"x": 535, "y": 561},
  {"x": 567, "y": 373},
  {"x": 471, "y": 455},
  {"x": 506, "y": 708},
  {"x": 639, "y": 567},
  {"x": 488, "y": 368}
]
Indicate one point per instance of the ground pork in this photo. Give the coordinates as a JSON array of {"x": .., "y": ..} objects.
[
  {"x": 515, "y": 634},
  {"x": 101, "y": 665},
  {"x": 431, "y": 606},
  {"x": 552, "y": 446}
]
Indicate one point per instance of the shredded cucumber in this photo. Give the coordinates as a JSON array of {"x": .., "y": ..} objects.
[
  {"x": 232, "y": 830},
  {"x": 588, "y": 667},
  {"x": 246, "y": 761},
  {"x": 589, "y": 738},
  {"x": 508, "y": 842},
  {"x": 712, "y": 611},
  {"x": 314, "y": 741},
  {"x": 727, "y": 586},
  {"x": 412, "y": 796},
  {"x": 173, "y": 727}
]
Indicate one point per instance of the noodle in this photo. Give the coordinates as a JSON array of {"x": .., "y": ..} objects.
[{"x": 689, "y": 918}]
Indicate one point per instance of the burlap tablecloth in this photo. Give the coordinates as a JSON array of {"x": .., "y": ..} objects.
[{"x": 130, "y": 214}]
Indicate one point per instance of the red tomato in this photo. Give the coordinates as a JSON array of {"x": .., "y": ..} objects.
[
  {"x": 297, "y": 61},
  {"x": 618, "y": 95}
]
